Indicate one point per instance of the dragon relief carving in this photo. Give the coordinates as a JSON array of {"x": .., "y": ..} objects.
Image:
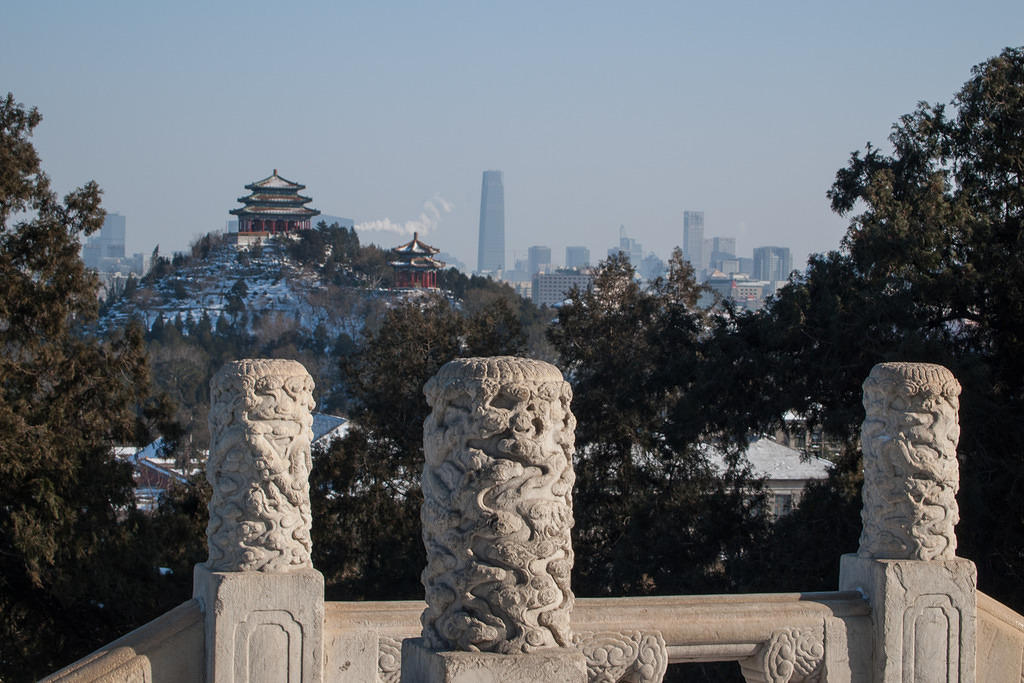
[
  {"x": 631, "y": 657},
  {"x": 790, "y": 656},
  {"x": 259, "y": 462},
  {"x": 497, "y": 510},
  {"x": 911, "y": 474}
]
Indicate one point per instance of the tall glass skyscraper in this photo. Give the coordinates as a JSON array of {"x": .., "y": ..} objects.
[
  {"x": 693, "y": 239},
  {"x": 491, "y": 243}
]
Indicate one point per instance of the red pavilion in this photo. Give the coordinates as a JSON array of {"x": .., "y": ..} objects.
[
  {"x": 274, "y": 206},
  {"x": 414, "y": 264}
]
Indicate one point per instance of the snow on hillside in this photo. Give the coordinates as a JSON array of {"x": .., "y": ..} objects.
[{"x": 274, "y": 285}]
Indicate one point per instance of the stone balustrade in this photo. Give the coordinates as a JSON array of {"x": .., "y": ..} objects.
[{"x": 497, "y": 513}]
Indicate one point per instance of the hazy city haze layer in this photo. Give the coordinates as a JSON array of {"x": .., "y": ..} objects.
[{"x": 598, "y": 114}]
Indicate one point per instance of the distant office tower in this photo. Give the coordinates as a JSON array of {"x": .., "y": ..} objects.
[
  {"x": 633, "y": 250},
  {"x": 772, "y": 264},
  {"x": 719, "y": 252},
  {"x": 552, "y": 288},
  {"x": 491, "y": 243},
  {"x": 577, "y": 257},
  {"x": 724, "y": 245},
  {"x": 538, "y": 258},
  {"x": 104, "y": 251},
  {"x": 693, "y": 239}
]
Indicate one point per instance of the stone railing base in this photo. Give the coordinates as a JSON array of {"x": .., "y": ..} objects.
[
  {"x": 924, "y": 616},
  {"x": 555, "y": 665},
  {"x": 262, "y": 626}
]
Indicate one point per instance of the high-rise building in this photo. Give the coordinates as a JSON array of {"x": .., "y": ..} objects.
[
  {"x": 491, "y": 242},
  {"x": 105, "y": 251},
  {"x": 717, "y": 252},
  {"x": 633, "y": 250},
  {"x": 538, "y": 259},
  {"x": 577, "y": 257},
  {"x": 693, "y": 239},
  {"x": 724, "y": 245},
  {"x": 772, "y": 264},
  {"x": 552, "y": 288}
]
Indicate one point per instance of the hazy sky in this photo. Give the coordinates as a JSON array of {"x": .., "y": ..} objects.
[{"x": 598, "y": 113}]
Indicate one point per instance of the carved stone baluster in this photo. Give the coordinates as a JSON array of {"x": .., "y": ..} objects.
[
  {"x": 791, "y": 655},
  {"x": 262, "y": 599},
  {"x": 630, "y": 657},
  {"x": 260, "y": 433},
  {"x": 911, "y": 474},
  {"x": 922, "y": 596},
  {"x": 497, "y": 515}
]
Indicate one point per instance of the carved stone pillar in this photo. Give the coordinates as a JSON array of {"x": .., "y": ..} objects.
[
  {"x": 922, "y": 596},
  {"x": 261, "y": 597},
  {"x": 497, "y": 515}
]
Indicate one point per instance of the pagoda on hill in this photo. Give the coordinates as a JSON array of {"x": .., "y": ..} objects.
[
  {"x": 274, "y": 206},
  {"x": 415, "y": 265}
]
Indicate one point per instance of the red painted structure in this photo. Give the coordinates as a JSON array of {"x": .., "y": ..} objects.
[
  {"x": 274, "y": 206},
  {"x": 414, "y": 264}
]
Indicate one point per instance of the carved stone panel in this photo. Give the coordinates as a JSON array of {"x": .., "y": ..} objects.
[
  {"x": 630, "y": 657},
  {"x": 911, "y": 475},
  {"x": 260, "y": 432},
  {"x": 497, "y": 510},
  {"x": 931, "y": 639},
  {"x": 389, "y": 659},
  {"x": 790, "y": 656}
]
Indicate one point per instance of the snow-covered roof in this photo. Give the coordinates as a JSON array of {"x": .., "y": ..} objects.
[
  {"x": 415, "y": 247},
  {"x": 329, "y": 427},
  {"x": 290, "y": 210},
  {"x": 275, "y": 198},
  {"x": 274, "y": 180},
  {"x": 420, "y": 262},
  {"x": 771, "y": 460}
]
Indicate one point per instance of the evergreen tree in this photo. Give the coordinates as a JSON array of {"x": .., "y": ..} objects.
[
  {"x": 70, "y": 578},
  {"x": 931, "y": 269},
  {"x": 652, "y": 513}
]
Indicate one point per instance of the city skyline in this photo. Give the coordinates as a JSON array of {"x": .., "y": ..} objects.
[{"x": 611, "y": 116}]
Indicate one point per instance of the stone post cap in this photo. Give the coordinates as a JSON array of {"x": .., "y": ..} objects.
[
  {"x": 497, "y": 368},
  {"x": 915, "y": 379},
  {"x": 262, "y": 373}
]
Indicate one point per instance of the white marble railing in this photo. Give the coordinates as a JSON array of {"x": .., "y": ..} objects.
[
  {"x": 498, "y": 485},
  {"x": 808, "y": 633}
]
